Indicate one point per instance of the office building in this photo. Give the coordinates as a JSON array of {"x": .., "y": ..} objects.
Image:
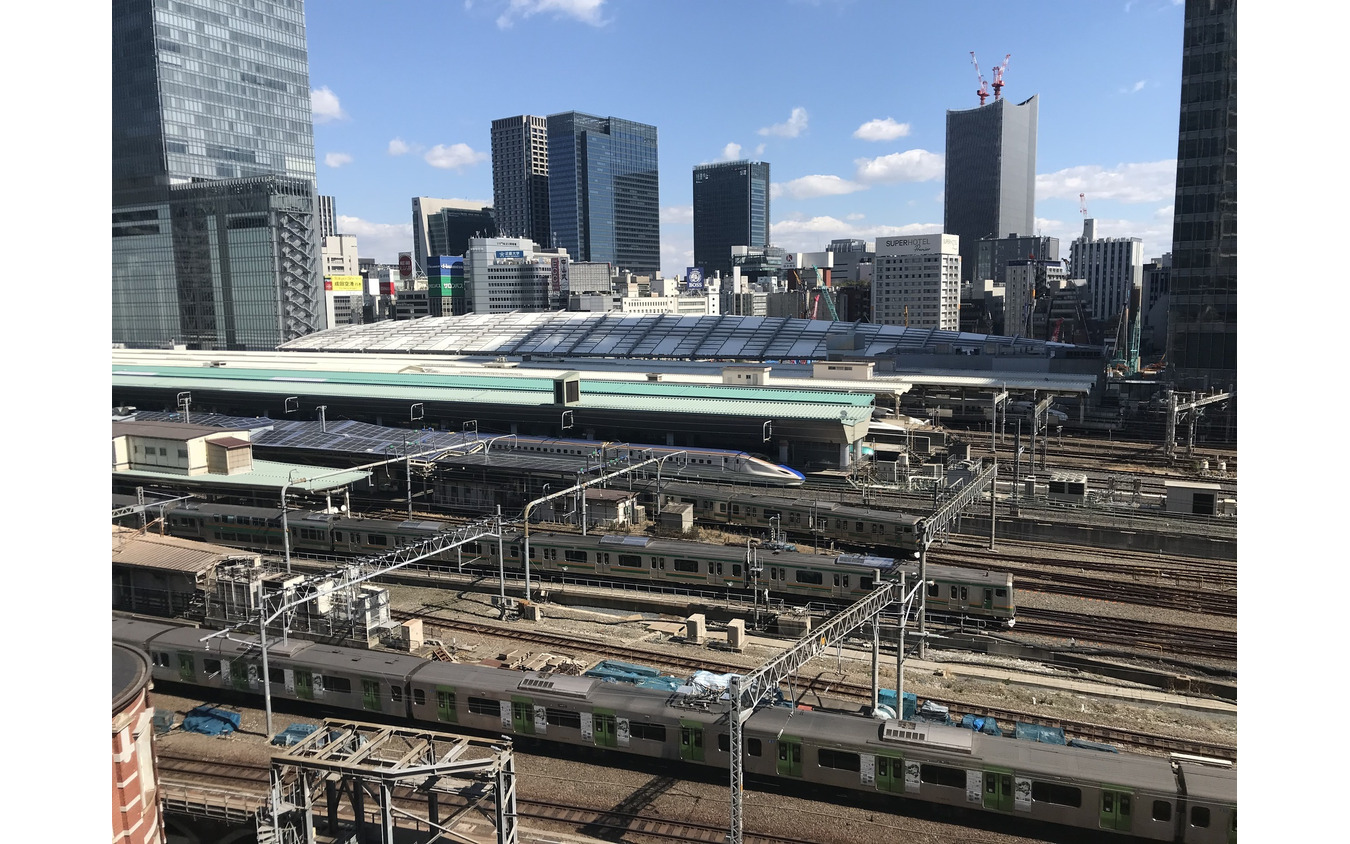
[
  {"x": 1202, "y": 311},
  {"x": 215, "y": 241},
  {"x": 444, "y": 226},
  {"x": 520, "y": 177},
  {"x": 990, "y": 183},
  {"x": 916, "y": 281},
  {"x": 992, "y": 255},
  {"x": 731, "y": 208},
  {"x": 447, "y": 293},
  {"x": 603, "y": 195},
  {"x": 512, "y": 274},
  {"x": 327, "y": 216},
  {"x": 1113, "y": 267},
  {"x": 339, "y": 255}
]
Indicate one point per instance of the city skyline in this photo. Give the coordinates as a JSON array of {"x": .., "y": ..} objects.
[{"x": 857, "y": 145}]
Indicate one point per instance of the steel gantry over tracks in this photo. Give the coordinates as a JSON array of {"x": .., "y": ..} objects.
[
  {"x": 359, "y": 760},
  {"x": 938, "y": 525},
  {"x": 748, "y": 692}
]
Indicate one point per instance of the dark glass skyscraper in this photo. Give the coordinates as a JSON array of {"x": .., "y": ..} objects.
[
  {"x": 990, "y": 185},
  {"x": 731, "y": 208},
  {"x": 213, "y": 222},
  {"x": 1202, "y": 308},
  {"x": 603, "y": 196},
  {"x": 520, "y": 178}
]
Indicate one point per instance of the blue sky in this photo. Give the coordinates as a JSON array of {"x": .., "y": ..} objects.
[{"x": 846, "y": 100}]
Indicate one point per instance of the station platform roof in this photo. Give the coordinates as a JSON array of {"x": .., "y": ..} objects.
[{"x": 265, "y": 474}]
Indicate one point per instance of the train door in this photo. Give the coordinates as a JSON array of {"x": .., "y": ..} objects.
[
  {"x": 998, "y": 789},
  {"x": 239, "y": 669},
  {"x": 988, "y": 598},
  {"x": 370, "y": 694},
  {"x": 789, "y": 756},
  {"x": 445, "y": 704},
  {"x": 603, "y": 725},
  {"x": 1232, "y": 826},
  {"x": 891, "y": 774},
  {"x": 304, "y": 684},
  {"x": 691, "y": 741},
  {"x": 187, "y": 667},
  {"x": 522, "y": 715},
  {"x": 1116, "y": 809}
]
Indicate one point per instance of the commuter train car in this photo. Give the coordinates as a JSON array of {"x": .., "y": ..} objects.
[
  {"x": 705, "y": 463},
  {"x": 891, "y": 529},
  {"x": 954, "y": 594},
  {"x": 1178, "y": 799}
]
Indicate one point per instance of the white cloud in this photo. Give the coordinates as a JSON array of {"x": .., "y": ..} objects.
[
  {"x": 453, "y": 157},
  {"x": 795, "y": 125},
  {"x": 677, "y": 214},
  {"x": 325, "y": 105},
  {"x": 759, "y": 150},
  {"x": 730, "y": 152},
  {"x": 881, "y": 130},
  {"x": 381, "y": 241},
  {"x": 1135, "y": 88},
  {"x": 815, "y": 233},
  {"x": 811, "y": 186},
  {"x": 855, "y": 216},
  {"x": 398, "y": 146},
  {"x": 337, "y": 159},
  {"x": 586, "y": 11},
  {"x": 1150, "y": 181},
  {"x": 913, "y": 165}
]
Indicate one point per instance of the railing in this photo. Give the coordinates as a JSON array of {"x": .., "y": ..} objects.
[{"x": 235, "y": 807}]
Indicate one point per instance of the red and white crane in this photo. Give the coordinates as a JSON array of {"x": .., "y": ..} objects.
[
  {"x": 983, "y": 93},
  {"x": 998, "y": 76}
]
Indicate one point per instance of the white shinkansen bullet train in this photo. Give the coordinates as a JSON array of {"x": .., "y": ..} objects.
[{"x": 705, "y": 463}]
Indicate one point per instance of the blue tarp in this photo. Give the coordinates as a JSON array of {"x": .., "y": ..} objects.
[
  {"x": 621, "y": 670},
  {"x": 1035, "y": 732},
  {"x": 981, "y": 724},
  {"x": 887, "y": 697},
  {"x": 293, "y": 734},
  {"x": 211, "y": 720}
]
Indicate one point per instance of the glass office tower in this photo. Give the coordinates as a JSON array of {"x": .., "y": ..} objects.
[
  {"x": 990, "y": 183},
  {"x": 731, "y": 208},
  {"x": 213, "y": 222},
  {"x": 1202, "y": 308},
  {"x": 604, "y": 202}
]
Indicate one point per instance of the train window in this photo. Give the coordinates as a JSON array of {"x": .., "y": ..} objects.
[
  {"x": 859, "y": 526},
  {"x": 377, "y": 539},
  {"x": 278, "y": 677},
  {"x": 355, "y": 538},
  {"x": 814, "y": 578},
  {"x": 864, "y": 583},
  {"x": 942, "y": 775},
  {"x": 1063, "y": 795},
  {"x": 1200, "y": 816},
  {"x": 735, "y": 570},
  {"x": 574, "y": 556},
  {"x": 211, "y": 666},
  {"x": 632, "y": 561},
  {"x": 836, "y": 580},
  {"x": 721, "y": 506},
  {"x": 515, "y": 550},
  {"x": 396, "y": 693},
  {"x": 841, "y": 759},
  {"x": 484, "y": 706},
  {"x": 337, "y": 534},
  {"x": 719, "y": 568},
  {"x": 563, "y": 718},
  {"x": 338, "y": 685},
  {"x": 685, "y": 565},
  {"x": 419, "y": 697},
  {"x": 1162, "y": 810},
  {"x": 735, "y": 509},
  {"x": 965, "y": 593},
  {"x": 534, "y": 552},
  {"x": 1002, "y": 593},
  {"x": 953, "y": 592},
  {"x": 752, "y": 745},
  {"x": 845, "y": 581},
  {"x": 651, "y": 732}
]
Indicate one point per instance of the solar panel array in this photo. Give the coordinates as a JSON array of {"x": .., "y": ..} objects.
[{"x": 577, "y": 334}]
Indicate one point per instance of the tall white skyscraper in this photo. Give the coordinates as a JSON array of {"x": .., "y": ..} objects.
[{"x": 1111, "y": 266}]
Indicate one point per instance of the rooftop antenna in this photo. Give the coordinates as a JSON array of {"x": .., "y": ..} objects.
[
  {"x": 983, "y": 92},
  {"x": 998, "y": 76}
]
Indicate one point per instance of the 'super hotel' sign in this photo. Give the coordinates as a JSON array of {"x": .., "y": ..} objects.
[{"x": 918, "y": 244}]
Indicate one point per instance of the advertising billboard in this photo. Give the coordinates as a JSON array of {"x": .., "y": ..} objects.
[
  {"x": 344, "y": 283},
  {"x": 693, "y": 278},
  {"x": 405, "y": 265}
]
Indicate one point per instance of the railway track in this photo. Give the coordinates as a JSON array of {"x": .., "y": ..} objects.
[
  {"x": 846, "y": 690},
  {"x": 1142, "y": 635}
]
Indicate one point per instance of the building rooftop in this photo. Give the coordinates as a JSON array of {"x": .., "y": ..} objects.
[
  {"x": 264, "y": 473},
  {"x": 143, "y": 549}
]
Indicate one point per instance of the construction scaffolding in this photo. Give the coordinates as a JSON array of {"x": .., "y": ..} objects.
[{"x": 355, "y": 764}]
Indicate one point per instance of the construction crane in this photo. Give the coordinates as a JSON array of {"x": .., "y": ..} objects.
[
  {"x": 983, "y": 93},
  {"x": 998, "y": 76}
]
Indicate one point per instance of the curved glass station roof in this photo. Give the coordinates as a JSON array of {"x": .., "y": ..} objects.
[{"x": 577, "y": 334}]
